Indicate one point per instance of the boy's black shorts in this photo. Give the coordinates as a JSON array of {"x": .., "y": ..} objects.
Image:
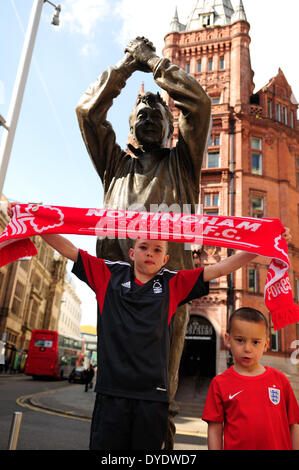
[{"x": 125, "y": 424}]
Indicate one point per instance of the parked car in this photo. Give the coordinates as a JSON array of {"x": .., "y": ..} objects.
[{"x": 77, "y": 375}]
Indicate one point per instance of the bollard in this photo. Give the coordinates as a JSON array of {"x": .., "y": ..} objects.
[{"x": 14, "y": 430}]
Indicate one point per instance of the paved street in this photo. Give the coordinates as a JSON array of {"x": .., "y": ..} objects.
[
  {"x": 39, "y": 430},
  {"x": 56, "y": 416}
]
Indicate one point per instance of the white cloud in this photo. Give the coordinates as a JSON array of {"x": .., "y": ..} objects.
[
  {"x": 83, "y": 16},
  {"x": 88, "y": 49},
  {"x": 149, "y": 19}
]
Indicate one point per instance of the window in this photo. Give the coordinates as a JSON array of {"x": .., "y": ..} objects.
[
  {"x": 213, "y": 160},
  {"x": 278, "y": 111},
  {"x": 188, "y": 68},
  {"x": 257, "y": 206},
  {"x": 199, "y": 67},
  {"x": 274, "y": 339},
  {"x": 34, "y": 313},
  {"x": 210, "y": 65},
  {"x": 212, "y": 200},
  {"x": 297, "y": 170},
  {"x": 206, "y": 21},
  {"x": 221, "y": 63},
  {"x": 256, "y": 143},
  {"x": 252, "y": 280},
  {"x": 256, "y": 156},
  {"x": 292, "y": 118},
  {"x": 214, "y": 141},
  {"x": 216, "y": 199},
  {"x": 269, "y": 108},
  {"x": 215, "y": 99},
  {"x": 18, "y": 297},
  {"x": 211, "y": 211},
  {"x": 256, "y": 164},
  {"x": 284, "y": 115}
]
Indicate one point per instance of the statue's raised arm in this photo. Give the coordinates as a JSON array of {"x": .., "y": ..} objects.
[
  {"x": 92, "y": 109},
  {"x": 187, "y": 93},
  {"x": 188, "y": 96}
]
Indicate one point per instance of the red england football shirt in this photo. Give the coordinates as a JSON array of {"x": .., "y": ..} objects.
[{"x": 256, "y": 410}]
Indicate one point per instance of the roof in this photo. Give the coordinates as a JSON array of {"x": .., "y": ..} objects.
[{"x": 88, "y": 329}]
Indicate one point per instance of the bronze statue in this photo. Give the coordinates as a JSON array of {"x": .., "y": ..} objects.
[{"x": 153, "y": 174}]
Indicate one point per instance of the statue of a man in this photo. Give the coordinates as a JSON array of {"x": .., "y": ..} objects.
[{"x": 154, "y": 174}]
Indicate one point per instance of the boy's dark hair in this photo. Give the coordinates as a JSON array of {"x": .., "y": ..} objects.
[{"x": 248, "y": 314}]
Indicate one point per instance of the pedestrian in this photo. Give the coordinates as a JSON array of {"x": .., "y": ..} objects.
[
  {"x": 88, "y": 376},
  {"x": 137, "y": 306},
  {"x": 250, "y": 406}
]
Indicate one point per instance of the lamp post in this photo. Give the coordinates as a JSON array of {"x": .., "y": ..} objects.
[{"x": 10, "y": 123}]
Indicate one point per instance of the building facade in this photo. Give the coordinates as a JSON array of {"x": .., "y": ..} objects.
[
  {"x": 30, "y": 296},
  {"x": 251, "y": 169},
  {"x": 70, "y": 310},
  {"x": 89, "y": 335}
]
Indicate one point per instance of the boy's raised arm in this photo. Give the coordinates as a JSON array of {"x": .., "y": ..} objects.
[
  {"x": 228, "y": 265},
  {"x": 62, "y": 245},
  {"x": 232, "y": 263}
]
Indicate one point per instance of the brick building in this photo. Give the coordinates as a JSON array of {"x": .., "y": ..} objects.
[{"x": 251, "y": 169}]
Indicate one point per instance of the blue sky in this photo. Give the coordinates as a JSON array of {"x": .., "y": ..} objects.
[{"x": 49, "y": 162}]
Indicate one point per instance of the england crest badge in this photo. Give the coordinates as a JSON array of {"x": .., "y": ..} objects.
[{"x": 274, "y": 395}]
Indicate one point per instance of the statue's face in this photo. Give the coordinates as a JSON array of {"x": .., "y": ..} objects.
[{"x": 150, "y": 126}]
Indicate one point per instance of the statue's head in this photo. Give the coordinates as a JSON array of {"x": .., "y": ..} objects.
[{"x": 151, "y": 121}]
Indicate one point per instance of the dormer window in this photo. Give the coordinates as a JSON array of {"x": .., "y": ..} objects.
[{"x": 206, "y": 19}]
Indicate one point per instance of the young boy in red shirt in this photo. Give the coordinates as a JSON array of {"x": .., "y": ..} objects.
[{"x": 249, "y": 406}]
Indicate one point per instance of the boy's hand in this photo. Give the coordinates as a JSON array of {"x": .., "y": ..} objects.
[
  {"x": 287, "y": 235},
  {"x": 9, "y": 208}
]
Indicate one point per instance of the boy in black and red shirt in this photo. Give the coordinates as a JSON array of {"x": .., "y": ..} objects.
[{"x": 136, "y": 310}]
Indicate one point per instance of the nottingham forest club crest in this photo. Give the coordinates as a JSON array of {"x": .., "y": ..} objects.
[{"x": 274, "y": 395}]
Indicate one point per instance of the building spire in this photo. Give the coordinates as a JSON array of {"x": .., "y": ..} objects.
[
  {"x": 175, "y": 25},
  {"x": 239, "y": 14}
]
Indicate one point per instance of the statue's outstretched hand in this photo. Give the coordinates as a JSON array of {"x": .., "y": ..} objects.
[
  {"x": 128, "y": 62},
  {"x": 142, "y": 50}
]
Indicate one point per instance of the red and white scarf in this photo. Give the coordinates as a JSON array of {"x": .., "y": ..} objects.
[{"x": 259, "y": 236}]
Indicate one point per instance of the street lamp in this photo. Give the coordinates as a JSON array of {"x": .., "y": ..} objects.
[
  {"x": 55, "y": 19},
  {"x": 10, "y": 123}
]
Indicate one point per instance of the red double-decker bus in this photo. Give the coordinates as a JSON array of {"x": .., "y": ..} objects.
[{"x": 52, "y": 354}]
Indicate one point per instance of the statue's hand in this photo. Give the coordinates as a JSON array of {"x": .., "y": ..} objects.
[
  {"x": 128, "y": 62},
  {"x": 142, "y": 50}
]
